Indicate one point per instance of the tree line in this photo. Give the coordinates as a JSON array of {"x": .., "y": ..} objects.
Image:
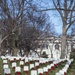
[{"x": 21, "y": 26}]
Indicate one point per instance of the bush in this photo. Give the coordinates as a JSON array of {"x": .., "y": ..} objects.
[{"x": 44, "y": 55}]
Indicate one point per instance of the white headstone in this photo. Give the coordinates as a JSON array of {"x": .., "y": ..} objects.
[
  {"x": 7, "y": 71},
  {"x": 17, "y": 69},
  {"x": 33, "y": 72},
  {"x": 36, "y": 64},
  {"x": 58, "y": 73},
  {"x": 4, "y": 61},
  {"x": 45, "y": 69},
  {"x": 25, "y": 68},
  {"x": 17, "y": 58},
  {"x": 5, "y": 66},
  {"x": 26, "y": 59},
  {"x": 21, "y": 63},
  {"x": 14, "y": 64},
  {"x": 31, "y": 66},
  {"x": 40, "y": 70}
]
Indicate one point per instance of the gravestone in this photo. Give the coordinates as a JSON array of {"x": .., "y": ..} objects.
[{"x": 7, "y": 71}]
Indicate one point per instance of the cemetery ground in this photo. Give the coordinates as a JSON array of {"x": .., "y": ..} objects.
[{"x": 71, "y": 70}]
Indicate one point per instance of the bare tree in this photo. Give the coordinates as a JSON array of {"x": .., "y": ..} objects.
[
  {"x": 17, "y": 15},
  {"x": 12, "y": 12},
  {"x": 34, "y": 31},
  {"x": 68, "y": 18},
  {"x": 73, "y": 31},
  {"x": 66, "y": 9}
]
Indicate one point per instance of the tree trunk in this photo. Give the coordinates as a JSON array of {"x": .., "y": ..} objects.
[
  {"x": 51, "y": 48},
  {"x": 51, "y": 54},
  {"x": 15, "y": 51},
  {"x": 0, "y": 41},
  {"x": 0, "y": 49},
  {"x": 14, "y": 48},
  {"x": 63, "y": 47},
  {"x": 21, "y": 52},
  {"x": 26, "y": 53}
]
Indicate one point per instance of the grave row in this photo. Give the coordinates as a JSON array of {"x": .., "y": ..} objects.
[
  {"x": 29, "y": 64},
  {"x": 65, "y": 68}
]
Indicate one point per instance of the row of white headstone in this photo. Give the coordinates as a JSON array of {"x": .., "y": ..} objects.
[
  {"x": 65, "y": 68},
  {"x": 31, "y": 66},
  {"x": 22, "y": 59},
  {"x": 27, "y": 59}
]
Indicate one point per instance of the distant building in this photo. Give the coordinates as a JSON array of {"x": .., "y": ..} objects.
[{"x": 52, "y": 46}]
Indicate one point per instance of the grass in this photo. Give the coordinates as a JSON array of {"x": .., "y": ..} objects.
[
  {"x": 57, "y": 68},
  {"x": 71, "y": 70},
  {"x": 1, "y": 67}
]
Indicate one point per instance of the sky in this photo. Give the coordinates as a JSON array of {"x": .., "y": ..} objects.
[
  {"x": 53, "y": 14},
  {"x": 56, "y": 20}
]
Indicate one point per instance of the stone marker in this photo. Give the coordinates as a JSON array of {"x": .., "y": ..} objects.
[
  {"x": 33, "y": 72},
  {"x": 7, "y": 71}
]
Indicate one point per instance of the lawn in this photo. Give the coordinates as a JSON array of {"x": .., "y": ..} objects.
[{"x": 71, "y": 70}]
